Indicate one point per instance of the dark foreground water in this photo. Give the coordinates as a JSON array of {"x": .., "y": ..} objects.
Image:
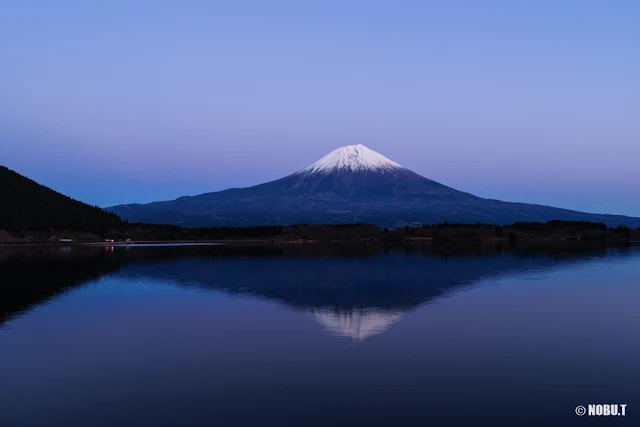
[{"x": 335, "y": 335}]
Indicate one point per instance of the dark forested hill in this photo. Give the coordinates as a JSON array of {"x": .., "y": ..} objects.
[{"x": 27, "y": 205}]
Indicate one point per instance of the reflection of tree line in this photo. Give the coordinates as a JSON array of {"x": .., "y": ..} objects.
[{"x": 334, "y": 276}]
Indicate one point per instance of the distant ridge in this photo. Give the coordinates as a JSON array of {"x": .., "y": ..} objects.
[
  {"x": 350, "y": 184},
  {"x": 27, "y": 205}
]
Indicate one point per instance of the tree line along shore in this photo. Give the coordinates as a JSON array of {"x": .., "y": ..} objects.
[{"x": 437, "y": 233}]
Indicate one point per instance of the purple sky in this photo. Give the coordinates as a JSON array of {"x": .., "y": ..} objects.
[{"x": 117, "y": 102}]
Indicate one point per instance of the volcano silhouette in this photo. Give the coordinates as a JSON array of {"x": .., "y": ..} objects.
[{"x": 350, "y": 184}]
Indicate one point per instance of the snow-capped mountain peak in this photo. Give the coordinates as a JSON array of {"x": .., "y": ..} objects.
[{"x": 355, "y": 158}]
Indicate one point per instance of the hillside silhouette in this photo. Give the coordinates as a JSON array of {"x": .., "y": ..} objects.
[{"x": 27, "y": 205}]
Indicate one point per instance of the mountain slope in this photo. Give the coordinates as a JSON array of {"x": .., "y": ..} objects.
[
  {"x": 27, "y": 205},
  {"x": 350, "y": 184}
]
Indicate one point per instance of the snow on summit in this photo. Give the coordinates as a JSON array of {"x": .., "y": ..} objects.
[{"x": 356, "y": 158}]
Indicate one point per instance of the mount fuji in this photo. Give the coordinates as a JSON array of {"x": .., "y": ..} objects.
[{"x": 350, "y": 184}]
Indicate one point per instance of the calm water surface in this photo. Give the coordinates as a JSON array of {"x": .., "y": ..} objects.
[{"x": 335, "y": 335}]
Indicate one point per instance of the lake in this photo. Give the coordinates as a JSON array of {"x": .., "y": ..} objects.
[{"x": 317, "y": 335}]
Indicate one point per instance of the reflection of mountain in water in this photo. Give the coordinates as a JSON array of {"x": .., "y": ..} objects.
[
  {"x": 359, "y": 295},
  {"x": 353, "y": 290},
  {"x": 396, "y": 280},
  {"x": 356, "y": 324}
]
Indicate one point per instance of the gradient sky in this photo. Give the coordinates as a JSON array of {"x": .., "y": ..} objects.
[{"x": 134, "y": 101}]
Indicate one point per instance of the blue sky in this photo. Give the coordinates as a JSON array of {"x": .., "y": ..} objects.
[{"x": 134, "y": 101}]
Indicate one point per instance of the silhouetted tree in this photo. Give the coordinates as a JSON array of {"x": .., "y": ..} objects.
[
  {"x": 626, "y": 232},
  {"x": 513, "y": 239}
]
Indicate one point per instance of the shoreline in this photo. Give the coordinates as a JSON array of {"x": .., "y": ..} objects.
[{"x": 275, "y": 242}]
